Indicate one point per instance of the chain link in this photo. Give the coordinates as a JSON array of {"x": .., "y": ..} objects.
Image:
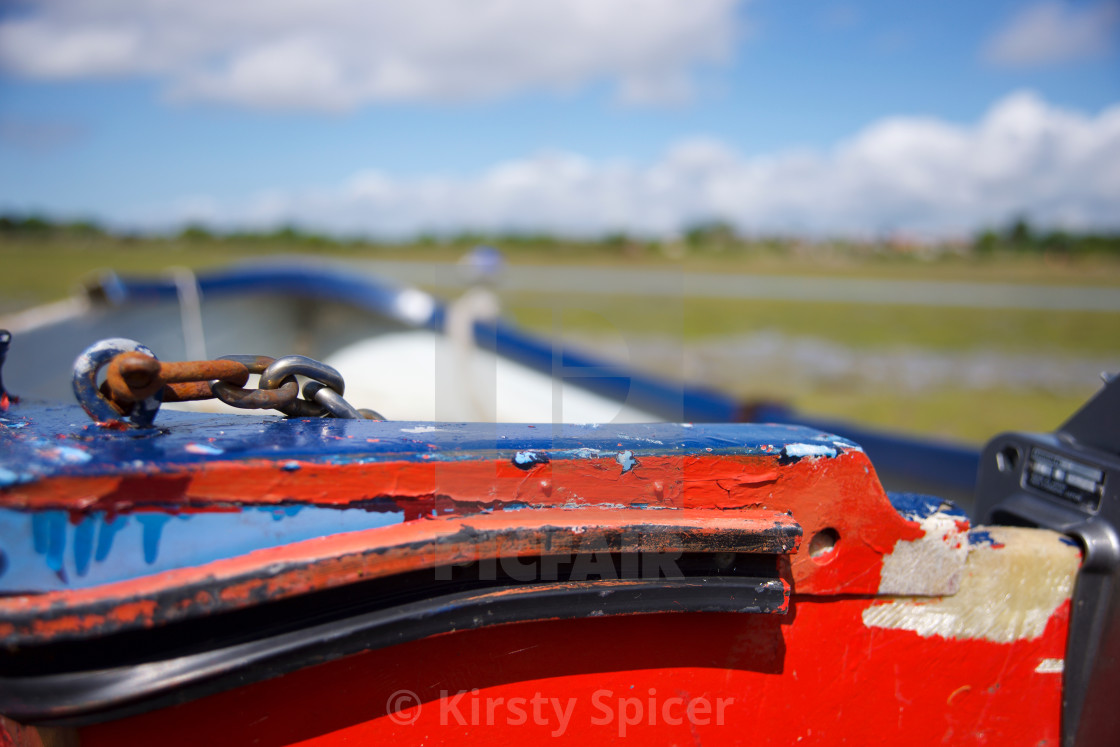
[
  {"x": 288, "y": 367},
  {"x": 136, "y": 382},
  {"x": 255, "y": 399},
  {"x": 330, "y": 400}
]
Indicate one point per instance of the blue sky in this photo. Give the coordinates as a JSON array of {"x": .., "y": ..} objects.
[{"x": 575, "y": 116}]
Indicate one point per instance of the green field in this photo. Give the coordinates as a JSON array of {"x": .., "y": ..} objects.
[
  {"x": 39, "y": 269},
  {"x": 955, "y": 412},
  {"x": 36, "y": 269},
  {"x": 852, "y": 324}
]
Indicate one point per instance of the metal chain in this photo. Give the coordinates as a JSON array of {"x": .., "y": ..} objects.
[
  {"x": 136, "y": 382},
  {"x": 255, "y": 399}
]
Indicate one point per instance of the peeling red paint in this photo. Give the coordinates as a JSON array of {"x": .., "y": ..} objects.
[{"x": 841, "y": 493}]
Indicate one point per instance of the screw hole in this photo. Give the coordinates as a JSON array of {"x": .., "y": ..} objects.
[{"x": 823, "y": 544}]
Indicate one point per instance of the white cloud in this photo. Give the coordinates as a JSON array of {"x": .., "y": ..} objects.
[
  {"x": 339, "y": 54},
  {"x": 910, "y": 174},
  {"x": 1052, "y": 31}
]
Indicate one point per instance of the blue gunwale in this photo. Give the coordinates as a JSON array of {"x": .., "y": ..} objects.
[
  {"x": 40, "y": 441},
  {"x": 57, "y": 549}
]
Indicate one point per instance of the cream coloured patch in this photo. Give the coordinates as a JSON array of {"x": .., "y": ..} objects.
[
  {"x": 1006, "y": 593},
  {"x": 930, "y": 565},
  {"x": 1051, "y": 666}
]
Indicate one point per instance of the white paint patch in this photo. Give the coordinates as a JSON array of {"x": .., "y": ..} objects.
[
  {"x": 66, "y": 454},
  {"x": 1051, "y": 666},
  {"x": 421, "y": 429},
  {"x": 527, "y": 459},
  {"x": 203, "y": 449},
  {"x": 626, "y": 460},
  {"x": 1006, "y": 594},
  {"x": 930, "y": 565},
  {"x": 809, "y": 450}
]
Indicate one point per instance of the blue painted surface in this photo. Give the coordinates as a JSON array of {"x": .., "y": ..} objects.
[
  {"x": 982, "y": 537},
  {"x": 38, "y": 441},
  {"x": 917, "y": 506},
  {"x": 53, "y": 549},
  {"x": 50, "y": 550}
]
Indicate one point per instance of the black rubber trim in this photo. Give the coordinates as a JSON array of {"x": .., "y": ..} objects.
[{"x": 91, "y": 696}]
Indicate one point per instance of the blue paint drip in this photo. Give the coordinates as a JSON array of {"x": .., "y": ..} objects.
[
  {"x": 56, "y": 540},
  {"x": 50, "y": 552},
  {"x": 105, "y": 536},
  {"x": 281, "y": 512},
  {"x": 83, "y": 544},
  {"x": 153, "y": 529},
  {"x": 40, "y": 532}
]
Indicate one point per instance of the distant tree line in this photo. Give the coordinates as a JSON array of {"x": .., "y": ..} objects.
[
  {"x": 1021, "y": 237},
  {"x": 31, "y": 226},
  {"x": 1017, "y": 237}
]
